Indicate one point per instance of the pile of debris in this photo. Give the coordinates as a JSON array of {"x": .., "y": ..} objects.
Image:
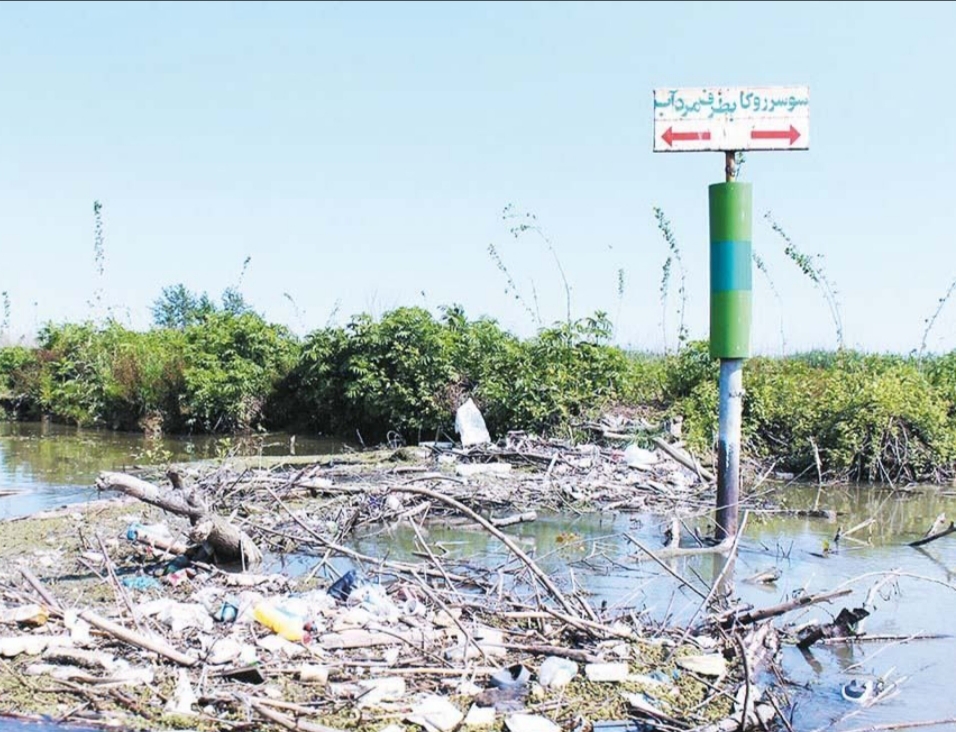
[
  {"x": 169, "y": 622},
  {"x": 173, "y": 621},
  {"x": 174, "y": 638}
]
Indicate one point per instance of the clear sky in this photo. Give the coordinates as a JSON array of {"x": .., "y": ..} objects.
[{"x": 361, "y": 155}]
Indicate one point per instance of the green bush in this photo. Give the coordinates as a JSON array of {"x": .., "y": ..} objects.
[
  {"x": 19, "y": 380},
  {"x": 872, "y": 418},
  {"x": 108, "y": 375},
  {"x": 233, "y": 364},
  {"x": 408, "y": 373},
  {"x": 225, "y": 369}
]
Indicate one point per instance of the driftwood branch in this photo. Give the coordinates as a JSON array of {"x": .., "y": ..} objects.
[
  {"x": 754, "y": 616},
  {"x": 283, "y": 720},
  {"x": 517, "y": 518},
  {"x": 934, "y": 536},
  {"x": 149, "y": 493},
  {"x": 664, "y": 566},
  {"x": 685, "y": 460},
  {"x": 136, "y": 639},
  {"x": 226, "y": 542},
  {"x": 38, "y": 587}
]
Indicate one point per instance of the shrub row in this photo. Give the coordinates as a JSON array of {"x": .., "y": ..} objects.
[{"x": 857, "y": 416}]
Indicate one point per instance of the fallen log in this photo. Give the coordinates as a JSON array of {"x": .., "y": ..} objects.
[{"x": 224, "y": 541}]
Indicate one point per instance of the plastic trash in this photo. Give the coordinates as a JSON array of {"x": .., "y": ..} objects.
[
  {"x": 606, "y": 672},
  {"x": 184, "y": 697},
  {"x": 141, "y": 582},
  {"x": 281, "y": 621},
  {"x": 373, "y": 599},
  {"x": 382, "y": 689},
  {"x": 556, "y": 672},
  {"x": 180, "y": 562},
  {"x": 148, "y": 532},
  {"x": 178, "y": 577},
  {"x": 228, "y": 611},
  {"x": 713, "y": 664},
  {"x": 511, "y": 676},
  {"x": 177, "y": 616},
  {"x": 79, "y": 629},
  {"x": 32, "y": 645},
  {"x": 413, "y": 607},
  {"x": 471, "y": 425},
  {"x": 343, "y": 586},
  {"x": 522, "y": 722},
  {"x": 858, "y": 691},
  {"x": 223, "y": 651},
  {"x": 638, "y": 457},
  {"x": 479, "y": 716},
  {"x": 276, "y": 644},
  {"x": 313, "y": 674},
  {"x": 435, "y": 712}
]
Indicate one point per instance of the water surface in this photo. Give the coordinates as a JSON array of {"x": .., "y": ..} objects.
[{"x": 45, "y": 465}]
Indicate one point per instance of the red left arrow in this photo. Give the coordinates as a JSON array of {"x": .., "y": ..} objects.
[
  {"x": 790, "y": 134},
  {"x": 670, "y": 137}
]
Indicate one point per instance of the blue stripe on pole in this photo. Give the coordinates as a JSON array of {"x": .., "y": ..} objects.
[{"x": 730, "y": 266}]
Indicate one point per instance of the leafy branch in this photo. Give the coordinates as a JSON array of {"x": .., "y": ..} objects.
[
  {"x": 931, "y": 321},
  {"x": 99, "y": 255},
  {"x": 674, "y": 255},
  {"x": 813, "y": 270},
  {"x": 762, "y": 267},
  {"x": 529, "y": 222},
  {"x": 510, "y": 286}
]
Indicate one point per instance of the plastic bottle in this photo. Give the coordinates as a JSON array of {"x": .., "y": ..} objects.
[
  {"x": 148, "y": 532},
  {"x": 228, "y": 611},
  {"x": 282, "y": 622}
]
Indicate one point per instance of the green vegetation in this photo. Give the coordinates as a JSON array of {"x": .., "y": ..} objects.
[
  {"x": 206, "y": 369},
  {"x": 223, "y": 368},
  {"x": 867, "y": 417}
]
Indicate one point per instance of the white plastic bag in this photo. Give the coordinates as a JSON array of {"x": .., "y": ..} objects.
[{"x": 471, "y": 425}]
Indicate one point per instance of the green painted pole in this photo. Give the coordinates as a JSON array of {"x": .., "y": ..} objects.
[{"x": 731, "y": 305}]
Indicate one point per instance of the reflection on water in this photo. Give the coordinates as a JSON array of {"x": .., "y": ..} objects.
[
  {"x": 49, "y": 465},
  {"x": 594, "y": 553}
]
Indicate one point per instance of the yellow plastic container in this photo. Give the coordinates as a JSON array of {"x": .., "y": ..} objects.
[{"x": 281, "y": 622}]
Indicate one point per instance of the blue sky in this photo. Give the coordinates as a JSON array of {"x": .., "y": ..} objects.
[{"x": 361, "y": 155}]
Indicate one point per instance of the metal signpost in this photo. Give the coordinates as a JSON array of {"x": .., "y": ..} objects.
[{"x": 731, "y": 120}]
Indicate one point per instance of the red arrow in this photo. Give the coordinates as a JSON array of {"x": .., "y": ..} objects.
[
  {"x": 671, "y": 137},
  {"x": 790, "y": 134}
]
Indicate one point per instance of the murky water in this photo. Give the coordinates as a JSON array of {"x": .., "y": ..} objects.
[
  {"x": 47, "y": 465},
  {"x": 596, "y": 552}
]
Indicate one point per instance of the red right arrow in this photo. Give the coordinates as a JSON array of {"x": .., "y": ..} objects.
[
  {"x": 671, "y": 137},
  {"x": 790, "y": 134}
]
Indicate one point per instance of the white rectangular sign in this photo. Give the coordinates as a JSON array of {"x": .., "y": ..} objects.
[{"x": 732, "y": 118}]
